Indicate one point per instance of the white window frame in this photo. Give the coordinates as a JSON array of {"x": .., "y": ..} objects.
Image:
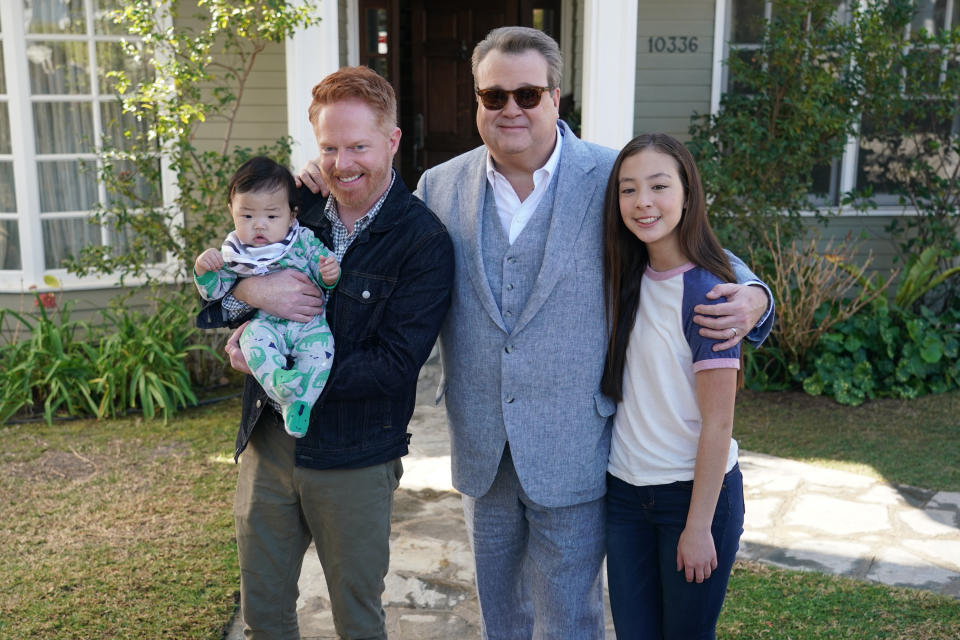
[
  {"x": 25, "y": 156},
  {"x": 848, "y": 162}
]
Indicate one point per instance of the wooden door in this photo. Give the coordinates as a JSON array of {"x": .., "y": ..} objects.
[
  {"x": 443, "y": 35},
  {"x": 436, "y": 39}
]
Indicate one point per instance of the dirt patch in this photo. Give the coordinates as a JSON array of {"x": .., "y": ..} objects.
[
  {"x": 53, "y": 466},
  {"x": 170, "y": 450}
]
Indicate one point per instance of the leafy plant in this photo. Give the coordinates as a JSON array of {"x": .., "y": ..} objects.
[
  {"x": 909, "y": 140},
  {"x": 141, "y": 362},
  {"x": 811, "y": 287},
  {"x": 890, "y": 352},
  {"x": 50, "y": 371},
  {"x": 182, "y": 74},
  {"x": 132, "y": 361},
  {"x": 920, "y": 278}
]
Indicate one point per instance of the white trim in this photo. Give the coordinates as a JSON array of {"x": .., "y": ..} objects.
[
  {"x": 567, "y": 19},
  {"x": 311, "y": 55},
  {"x": 24, "y": 150},
  {"x": 609, "y": 71},
  {"x": 353, "y": 33},
  {"x": 720, "y": 21}
]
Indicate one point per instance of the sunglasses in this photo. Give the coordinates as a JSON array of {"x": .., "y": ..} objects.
[{"x": 525, "y": 97}]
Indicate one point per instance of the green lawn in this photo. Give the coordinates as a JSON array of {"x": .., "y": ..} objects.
[
  {"x": 124, "y": 529},
  {"x": 913, "y": 442},
  {"x": 120, "y": 529}
]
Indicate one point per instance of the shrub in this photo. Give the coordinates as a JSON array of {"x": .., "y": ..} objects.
[
  {"x": 891, "y": 352},
  {"x": 141, "y": 362},
  {"x": 132, "y": 361},
  {"x": 52, "y": 370},
  {"x": 794, "y": 105},
  {"x": 810, "y": 286},
  {"x": 911, "y": 106}
]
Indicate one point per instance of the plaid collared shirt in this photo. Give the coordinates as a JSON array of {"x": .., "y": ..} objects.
[
  {"x": 233, "y": 308},
  {"x": 342, "y": 239}
]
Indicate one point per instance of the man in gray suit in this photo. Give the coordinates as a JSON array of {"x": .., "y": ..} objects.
[{"x": 523, "y": 344}]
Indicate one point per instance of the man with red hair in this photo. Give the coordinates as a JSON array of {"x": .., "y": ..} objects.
[{"x": 335, "y": 485}]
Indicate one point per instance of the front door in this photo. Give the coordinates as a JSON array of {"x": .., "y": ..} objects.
[
  {"x": 423, "y": 47},
  {"x": 443, "y": 35}
]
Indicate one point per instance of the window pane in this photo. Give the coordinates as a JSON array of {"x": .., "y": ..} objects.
[
  {"x": 9, "y": 245},
  {"x": 63, "y": 127},
  {"x": 747, "y": 24},
  {"x": 111, "y": 57},
  {"x": 103, "y": 19},
  {"x": 3, "y": 74},
  {"x": 115, "y": 122},
  {"x": 66, "y": 185},
  {"x": 376, "y": 31},
  {"x": 144, "y": 186},
  {"x": 826, "y": 179},
  {"x": 8, "y": 194},
  {"x": 54, "y": 16},
  {"x": 546, "y": 20},
  {"x": 5, "y": 146},
  {"x": 120, "y": 242},
  {"x": 58, "y": 68},
  {"x": 65, "y": 238},
  {"x": 929, "y": 16}
]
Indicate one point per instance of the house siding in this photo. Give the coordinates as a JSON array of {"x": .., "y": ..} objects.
[
  {"x": 262, "y": 116},
  {"x": 671, "y": 87},
  {"x": 86, "y": 306},
  {"x": 870, "y": 236}
]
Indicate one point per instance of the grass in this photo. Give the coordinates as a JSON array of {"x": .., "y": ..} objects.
[
  {"x": 912, "y": 442},
  {"x": 124, "y": 528},
  {"x": 767, "y": 602},
  {"x": 118, "y": 529}
]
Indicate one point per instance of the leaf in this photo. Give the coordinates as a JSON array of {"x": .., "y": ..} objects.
[{"x": 932, "y": 350}]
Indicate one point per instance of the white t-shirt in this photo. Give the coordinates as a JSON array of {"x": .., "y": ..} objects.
[{"x": 656, "y": 429}]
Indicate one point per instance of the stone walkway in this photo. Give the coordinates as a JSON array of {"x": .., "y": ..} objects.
[{"x": 799, "y": 516}]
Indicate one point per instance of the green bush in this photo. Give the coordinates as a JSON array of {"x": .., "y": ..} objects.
[
  {"x": 142, "y": 362},
  {"x": 889, "y": 353},
  {"x": 793, "y": 105},
  {"x": 50, "y": 371},
  {"x": 177, "y": 80},
  {"x": 132, "y": 361}
]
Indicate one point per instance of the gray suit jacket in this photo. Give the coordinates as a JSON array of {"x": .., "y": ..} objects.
[{"x": 539, "y": 386}]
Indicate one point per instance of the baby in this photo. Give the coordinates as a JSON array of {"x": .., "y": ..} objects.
[{"x": 267, "y": 238}]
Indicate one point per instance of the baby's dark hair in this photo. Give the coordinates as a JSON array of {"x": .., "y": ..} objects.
[{"x": 263, "y": 174}]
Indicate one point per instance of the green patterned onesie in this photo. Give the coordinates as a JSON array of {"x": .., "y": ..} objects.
[{"x": 268, "y": 340}]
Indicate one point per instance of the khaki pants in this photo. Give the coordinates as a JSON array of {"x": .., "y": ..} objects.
[{"x": 280, "y": 507}]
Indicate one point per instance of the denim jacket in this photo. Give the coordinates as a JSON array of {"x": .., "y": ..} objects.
[{"x": 385, "y": 314}]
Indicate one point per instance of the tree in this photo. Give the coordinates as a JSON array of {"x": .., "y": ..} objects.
[
  {"x": 187, "y": 71},
  {"x": 793, "y": 105}
]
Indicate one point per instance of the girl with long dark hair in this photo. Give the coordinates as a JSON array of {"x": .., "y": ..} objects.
[{"x": 674, "y": 490}]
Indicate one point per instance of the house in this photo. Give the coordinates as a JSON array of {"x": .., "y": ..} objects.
[{"x": 631, "y": 66}]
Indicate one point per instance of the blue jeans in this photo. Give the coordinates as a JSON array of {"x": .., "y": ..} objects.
[{"x": 649, "y": 598}]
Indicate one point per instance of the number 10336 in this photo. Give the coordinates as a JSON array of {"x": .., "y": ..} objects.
[{"x": 672, "y": 44}]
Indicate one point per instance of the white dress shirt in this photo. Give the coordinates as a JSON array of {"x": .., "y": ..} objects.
[{"x": 514, "y": 214}]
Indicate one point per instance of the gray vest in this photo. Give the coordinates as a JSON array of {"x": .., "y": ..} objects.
[{"x": 512, "y": 270}]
